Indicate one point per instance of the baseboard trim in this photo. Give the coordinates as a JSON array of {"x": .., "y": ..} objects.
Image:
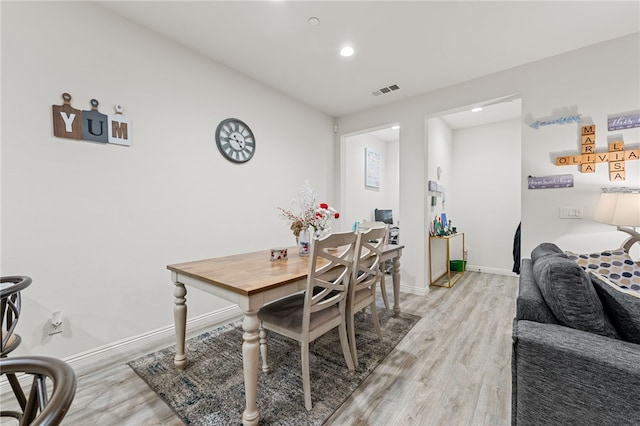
[
  {"x": 484, "y": 269},
  {"x": 419, "y": 291},
  {"x": 130, "y": 348},
  {"x": 127, "y": 349}
]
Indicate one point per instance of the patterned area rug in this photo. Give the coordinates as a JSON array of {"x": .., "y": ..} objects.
[{"x": 210, "y": 391}]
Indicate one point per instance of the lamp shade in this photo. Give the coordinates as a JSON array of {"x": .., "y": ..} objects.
[
  {"x": 606, "y": 207},
  {"x": 618, "y": 208}
]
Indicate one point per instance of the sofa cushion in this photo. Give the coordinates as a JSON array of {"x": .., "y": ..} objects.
[
  {"x": 544, "y": 250},
  {"x": 615, "y": 264},
  {"x": 621, "y": 305},
  {"x": 568, "y": 291}
]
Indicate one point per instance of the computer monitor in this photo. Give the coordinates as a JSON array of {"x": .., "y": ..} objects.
[{"x": 385, "y": 216}]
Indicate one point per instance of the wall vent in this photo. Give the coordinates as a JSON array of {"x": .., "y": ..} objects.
[{"x": 385, "y": 90}]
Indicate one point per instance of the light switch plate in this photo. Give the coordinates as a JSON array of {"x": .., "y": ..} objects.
[{"x": 570, "y": 212}]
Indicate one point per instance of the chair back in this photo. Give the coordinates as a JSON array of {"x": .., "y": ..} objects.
[
  {"x": 10, "y": 307},
  {"x": 329, "y": 273},
  {"x": 366, "y": 269},
  {"x": 43, "y": 408},
  {"x": 365, "y": 226}
]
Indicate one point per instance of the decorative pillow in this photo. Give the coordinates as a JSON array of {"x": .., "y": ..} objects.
[
  {"x": 622, "y": 306},
  {"x": 546, "y": 249},
  {"x": 568, "y": 291},
  {"x": 616, "y": 265}
]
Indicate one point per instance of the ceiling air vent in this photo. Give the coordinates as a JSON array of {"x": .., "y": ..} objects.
[{"x": 384, "y": 90}]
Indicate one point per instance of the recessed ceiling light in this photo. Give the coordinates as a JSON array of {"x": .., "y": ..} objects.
[
  {"x": 347, "y": 51},
  {"x": 476, "y": 109},
  {"x": 395, "y": 127},
  {"x": 313, "y": 21}
]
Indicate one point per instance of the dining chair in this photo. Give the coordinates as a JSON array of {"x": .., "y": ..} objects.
[
  {"x": 365, "y": 275},
  {"x": 10, "y": 308},
  {"x": 48, "y": 403},
  {"x": 363, "y": 226},
  {"x": 320, "y": 308}
]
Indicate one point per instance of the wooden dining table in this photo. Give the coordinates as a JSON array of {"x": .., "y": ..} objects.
[{"x": 250, "y": 280}]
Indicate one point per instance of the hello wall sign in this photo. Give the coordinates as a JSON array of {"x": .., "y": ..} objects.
[
  {"x": 91, "y": 125},
  {"x": 587, "y": 159}
]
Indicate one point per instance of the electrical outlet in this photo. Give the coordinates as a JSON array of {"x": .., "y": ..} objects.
[{"x": 56, "y": 323}]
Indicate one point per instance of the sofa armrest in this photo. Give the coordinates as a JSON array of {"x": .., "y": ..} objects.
[
  {"x": 530, "y": 304},
  {"x": 563, "y": 376}
]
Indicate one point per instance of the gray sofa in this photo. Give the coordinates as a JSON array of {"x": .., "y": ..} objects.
[{"x": 576, "y": 347}]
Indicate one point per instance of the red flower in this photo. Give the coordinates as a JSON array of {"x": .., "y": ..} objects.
[
  {"x": 337, "y": 215},
  {"x": 324, "y": 206},
  {"x": 318, "y": 214}
]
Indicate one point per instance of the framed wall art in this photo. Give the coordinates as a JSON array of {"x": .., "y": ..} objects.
[{"x": 372, "y": 168}]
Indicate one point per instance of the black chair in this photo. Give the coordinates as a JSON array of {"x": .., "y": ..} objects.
[
  {"x": 42, "y": 408},
  {"x": 10, "y": 306},
  {"x": 386, "y": 216}
]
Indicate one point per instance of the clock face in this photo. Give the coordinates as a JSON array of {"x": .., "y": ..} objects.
[{"x": 235, "y": 140}]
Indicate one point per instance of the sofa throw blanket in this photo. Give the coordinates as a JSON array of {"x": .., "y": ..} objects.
[{"x": 615, "y": 265}]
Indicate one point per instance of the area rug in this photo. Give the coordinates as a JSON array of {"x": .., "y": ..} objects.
[{"x": 210, "y": 391}]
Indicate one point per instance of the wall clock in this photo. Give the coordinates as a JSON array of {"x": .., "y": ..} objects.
[{"x": 235, "y": 140}]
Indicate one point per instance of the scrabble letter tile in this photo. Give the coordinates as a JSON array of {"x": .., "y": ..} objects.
[
  {"x": 588, "y": 139},
  {"x": 616, "y": 166},
  {"x": 617, "y": 176},
  {"x": 588, "y": 148},
  {"x": 616, "y": 146},
  {"x": 588, "y": 167},
  {"x": 589, "y": 130}
]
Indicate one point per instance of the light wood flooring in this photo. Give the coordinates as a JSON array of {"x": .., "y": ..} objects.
[{"x": 453, "y": 368}]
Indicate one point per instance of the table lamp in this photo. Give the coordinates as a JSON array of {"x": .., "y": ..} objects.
[{"x": 620, "y": 207}]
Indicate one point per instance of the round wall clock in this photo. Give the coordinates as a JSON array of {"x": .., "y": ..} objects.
[{"x": 235, "y": 140}]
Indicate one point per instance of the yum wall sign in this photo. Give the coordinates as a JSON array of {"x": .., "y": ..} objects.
[
  {"x": 589, "y": 157},
  {"x": 90, "y": 125}
]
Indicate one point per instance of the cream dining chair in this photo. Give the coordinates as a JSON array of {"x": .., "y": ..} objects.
[
  {"x": 363, "y": 226},
  {"x": 364, "y": 277},
  {"x": 320, "y": 308}
]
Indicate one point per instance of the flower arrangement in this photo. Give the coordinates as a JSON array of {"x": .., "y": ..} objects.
[
  {"x": 304, "y": 213},
  {"x": 323, "y": 217}
]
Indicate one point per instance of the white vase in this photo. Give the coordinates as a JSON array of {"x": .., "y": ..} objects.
[{"x": 321, "y": 233}]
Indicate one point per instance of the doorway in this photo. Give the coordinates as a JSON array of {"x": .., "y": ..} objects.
[
  {"x": 370, "y": 174},
  {"x": 476, "y": 158}
]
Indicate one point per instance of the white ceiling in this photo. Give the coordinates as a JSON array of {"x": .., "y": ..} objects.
[
  {"x": 493, "y": 112},
  {"x": 419, "y": 45}
]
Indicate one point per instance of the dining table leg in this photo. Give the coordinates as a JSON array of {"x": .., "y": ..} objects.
[
  {"x": 250, "y": 361},
  {"x": 396, "y": 285},
  {"x": 180, "y": 323}
]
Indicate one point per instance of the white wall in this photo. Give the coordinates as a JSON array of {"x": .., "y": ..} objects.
[
  {"x": 486, "y": 184},
  {"x": 392, "y": 184},
  {"x": 95, "y": 225},
  {"x": 440, "y": 154},
  {"x": 360, "y": 200},
  {"x": 599, "y": 80}
]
